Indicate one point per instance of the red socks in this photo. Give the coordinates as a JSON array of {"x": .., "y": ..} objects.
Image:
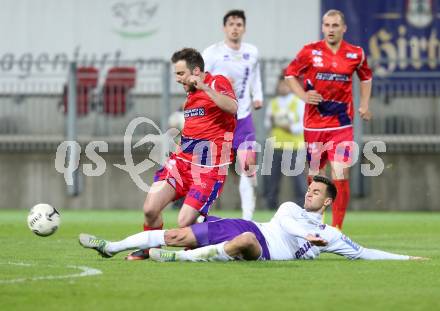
[
  {"x": 146, "y": 228},
  {"x": 341, "y": 202}
]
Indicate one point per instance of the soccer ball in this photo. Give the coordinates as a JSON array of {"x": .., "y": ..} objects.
[
  {"x": 43, "y": 219},
  {"x": 177, "y": 120}
]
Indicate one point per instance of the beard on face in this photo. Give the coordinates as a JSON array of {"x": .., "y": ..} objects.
[{"x": 191, "y": 88}]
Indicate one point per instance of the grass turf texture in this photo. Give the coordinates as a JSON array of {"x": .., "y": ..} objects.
[{"x": 329, "y": 283}]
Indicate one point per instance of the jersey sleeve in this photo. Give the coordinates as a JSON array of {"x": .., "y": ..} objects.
[
  {"x": 209, "y": 59},
  {"x": 342, "y": 245},
  {"x": 256, "y": 88},
  {"x": 375, "y": 254},
  {"x": 222, "y": 85},
  {"x": 363, "y": 70},
  {"x": 298, "y": 65},
  {"x": 289, "y": 218}
]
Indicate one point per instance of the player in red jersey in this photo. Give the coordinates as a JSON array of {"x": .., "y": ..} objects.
[
  {"x": 197, "y": 171},
  {"x": 326, "y": 68}
]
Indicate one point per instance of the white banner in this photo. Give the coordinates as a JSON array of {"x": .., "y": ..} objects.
[{"x": 42, "y": 36}]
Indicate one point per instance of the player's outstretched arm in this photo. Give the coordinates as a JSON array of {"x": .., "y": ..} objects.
[
  {"x": 340, "y": 244},
  {"x": 375, "y": 254}
]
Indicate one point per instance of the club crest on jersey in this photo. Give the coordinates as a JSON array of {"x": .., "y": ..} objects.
[
  {"x": 351, "y": 55},
  {"x": 317, "y": 52},
  {"x": 246, "y": 56},
  {"x": 195, "y": 112},
  {"x": 317, "y": 61}
]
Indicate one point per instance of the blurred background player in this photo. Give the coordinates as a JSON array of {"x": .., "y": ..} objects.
[
  {"x": 284, "y": 119},
  {"x": 197, "y": 170},
  {"x": 293, "y": 233},
  {"x": 327, "y": 67},
  {"x": 238, "y": 61}
]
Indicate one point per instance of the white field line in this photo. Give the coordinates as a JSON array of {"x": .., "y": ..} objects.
[{"x": 85, "y": 271}]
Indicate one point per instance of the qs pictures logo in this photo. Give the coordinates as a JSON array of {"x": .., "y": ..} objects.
[{"x": 134, "y": 20}]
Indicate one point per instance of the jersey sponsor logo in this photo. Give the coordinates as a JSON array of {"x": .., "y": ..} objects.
[
  {"x": 350, "y": 242},
  {"x": 351, "y": 55},
  {"x": 302, "y": 250},
  {"x": 317, "y": 52},
  {"x": 317, "y": 61},
  {"x": 195, "y": 112},
  {"x": 327, "y": 76}
]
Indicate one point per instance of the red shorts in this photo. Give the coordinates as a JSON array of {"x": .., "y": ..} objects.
[
  {"x": 201, "y": 185},
  {"x": 329, "y": 145}
]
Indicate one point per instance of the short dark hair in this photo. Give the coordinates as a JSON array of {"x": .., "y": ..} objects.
[
  {"x": 235, "y": 13},
  {"x": 331, "y": 188},
  {"x": 192, "y": 57}
]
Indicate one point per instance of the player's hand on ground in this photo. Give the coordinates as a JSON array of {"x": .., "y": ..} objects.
[
  {"x": 365, "y": 113},
  {"x": 316, "y": 240},
  {"x": 313, "y": 97},
  {"x": 258, "y": 104}
]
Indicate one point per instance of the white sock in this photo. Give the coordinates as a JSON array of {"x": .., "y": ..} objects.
[
  {"x": 206, "y": 253},
  {"x": 247, "y": 195},
  {"x": 142, "y": 240}
]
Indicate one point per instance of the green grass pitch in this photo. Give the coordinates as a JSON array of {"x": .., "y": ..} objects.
[{"x": 36, "y": 273}]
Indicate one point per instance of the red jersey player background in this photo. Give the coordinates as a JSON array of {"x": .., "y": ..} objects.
[
  {"x": 327, "y": 67},
  {"x": 198, "y": 170}
]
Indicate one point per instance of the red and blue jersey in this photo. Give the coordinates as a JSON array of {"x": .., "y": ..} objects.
[
  {"x": 208, "y": 130},
  {"x": 330, "y": 74}
]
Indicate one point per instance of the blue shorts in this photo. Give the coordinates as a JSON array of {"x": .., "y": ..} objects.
[{"x": 218, "y": 230}]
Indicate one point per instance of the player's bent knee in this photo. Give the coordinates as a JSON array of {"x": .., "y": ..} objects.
[
  {"x": 150, "y": 213},
  {"x": 180, "y": 237}
]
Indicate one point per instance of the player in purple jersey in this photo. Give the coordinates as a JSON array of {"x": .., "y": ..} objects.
[{"x": 293, "y": 233}]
